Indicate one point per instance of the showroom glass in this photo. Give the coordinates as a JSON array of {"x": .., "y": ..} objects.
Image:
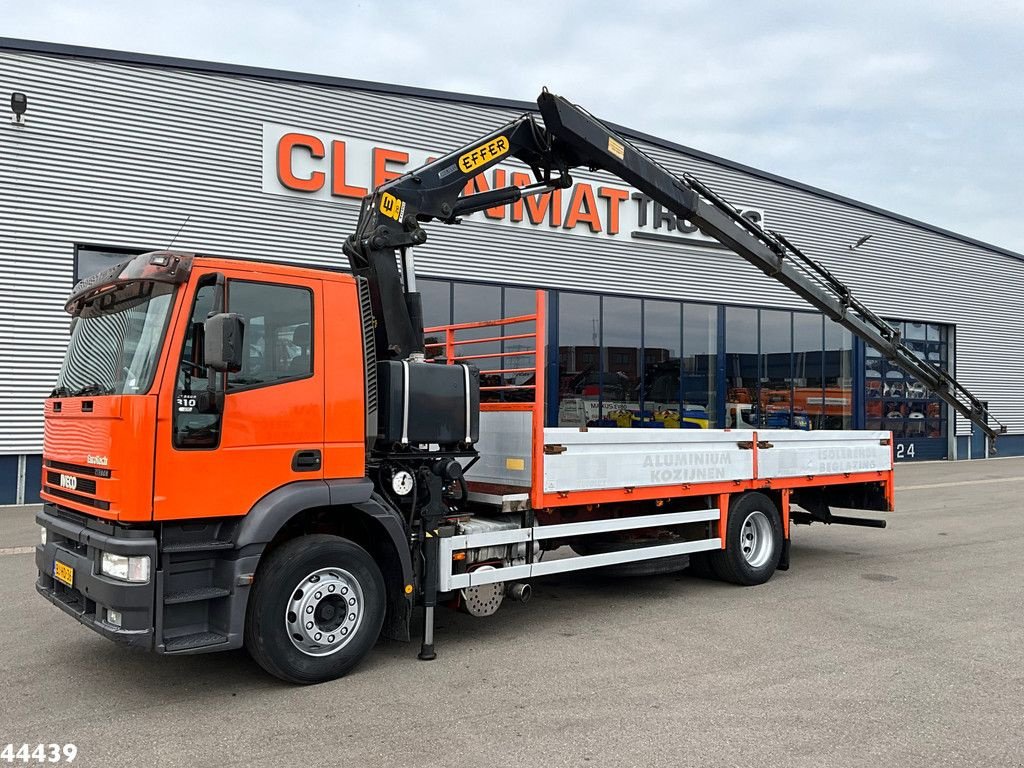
[
  {"x": 741, "y": 366},
  {"x": 472, "y": 303},
  {"x": 899, "y": 402},
  {"x": 700, "y": 363},
  {"x": 837, "y": 402},
  {"x": 808, "y": 373},
  {"x": 579, "y": 359},
  {"x": 115, "y": 343},
  {"x": 517, "y": 302},
  {"x": 774, "y": 403},
  {"x": 662, "y": 382},
  {"x": 619, "y": 374}
]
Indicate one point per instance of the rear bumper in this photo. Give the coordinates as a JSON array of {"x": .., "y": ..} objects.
[{"x": 92, "y": 595}]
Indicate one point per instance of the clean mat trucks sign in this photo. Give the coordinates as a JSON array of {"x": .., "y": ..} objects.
[{"x": 332, "y": 167}]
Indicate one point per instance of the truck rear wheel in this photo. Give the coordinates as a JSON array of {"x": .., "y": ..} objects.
[
  {"x": 316, "y": 609},
  {"x": 753, "y": 543}
]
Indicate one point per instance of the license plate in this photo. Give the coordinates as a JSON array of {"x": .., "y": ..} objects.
[{"x": 63, "y": 573}]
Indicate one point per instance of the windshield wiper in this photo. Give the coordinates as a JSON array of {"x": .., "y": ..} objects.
[{"x": 93, "y": 389}]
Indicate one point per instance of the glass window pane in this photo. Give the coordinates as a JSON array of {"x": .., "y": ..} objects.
[
  {"x": 808, "y": 337},
  {"x": 741, "y": 366},
  {"x": 915, "y": 331},
  {"x": 437, "y": 310},
  {"x": 579, "y": 337},
  {"x": 620, "y": 374},
  {"x": 518, "y": 302},
  {"x": 662, "y": 321},
  {"x": 473, "y": 303},
  {"x": 191, "y": 428},
  {"x": 774, "y": 400},
  {"x": 699, "y": 365},
  {"x": 437, "y": 302},
  {"x": 838, "y": 398},
  {"x": 278, "y": 332}
]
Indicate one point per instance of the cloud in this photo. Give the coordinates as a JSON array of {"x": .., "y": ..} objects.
[{"x": 915, "y": 106}]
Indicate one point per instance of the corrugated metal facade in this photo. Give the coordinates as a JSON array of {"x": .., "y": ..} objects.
[{"x": 120, "y": 154}]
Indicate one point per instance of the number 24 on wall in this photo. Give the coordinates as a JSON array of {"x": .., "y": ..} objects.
[{"x": 905, "y": 450}]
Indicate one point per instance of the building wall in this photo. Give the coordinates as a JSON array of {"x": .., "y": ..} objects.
[{"x": 121, "y": 154}]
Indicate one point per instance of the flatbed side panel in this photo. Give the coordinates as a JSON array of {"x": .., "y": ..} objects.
[
  {"x": 505, "y": 449},
  {"x": 792, "y": 453},
  {"x": 611, "y": 458}
]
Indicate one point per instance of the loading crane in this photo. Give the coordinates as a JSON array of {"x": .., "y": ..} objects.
[{"x": 391, "y": 219}]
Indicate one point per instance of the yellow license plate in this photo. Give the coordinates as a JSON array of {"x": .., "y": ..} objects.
[{"x": 63, "y": 573}]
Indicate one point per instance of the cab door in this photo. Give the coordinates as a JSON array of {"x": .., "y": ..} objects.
[{"x": 271, "y": 430}]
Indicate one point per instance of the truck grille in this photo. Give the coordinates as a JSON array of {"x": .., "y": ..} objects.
[
  {"x": 84, "y": 500},
  {"x": 80, "y": 490},
  {"x": 82, "y": 484},
  {"x": 78, "y": 468}
]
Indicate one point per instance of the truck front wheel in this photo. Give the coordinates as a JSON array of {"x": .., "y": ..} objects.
[
  {"x": 316, "y": 609},
  {"x": 753, "y": 541}
]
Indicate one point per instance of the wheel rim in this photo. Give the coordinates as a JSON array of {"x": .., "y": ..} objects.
[
  {"x": 756, "y": 539},
  {"x": 324, "y": 611}
]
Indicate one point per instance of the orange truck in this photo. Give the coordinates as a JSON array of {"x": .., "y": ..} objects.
[{"x": 240, "y": 453}]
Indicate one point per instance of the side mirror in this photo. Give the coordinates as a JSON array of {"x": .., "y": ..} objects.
[{"x": 223, "y": 342}]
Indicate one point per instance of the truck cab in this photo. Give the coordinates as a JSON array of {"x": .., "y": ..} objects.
[{"x": 165, "y": 479}]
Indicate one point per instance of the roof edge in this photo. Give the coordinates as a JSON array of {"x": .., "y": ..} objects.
[{"x": 243, "y": 70}]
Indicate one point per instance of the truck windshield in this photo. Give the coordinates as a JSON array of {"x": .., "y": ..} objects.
[{"x": 116, "y": 341}]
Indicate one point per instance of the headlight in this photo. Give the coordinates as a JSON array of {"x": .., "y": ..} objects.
[
  {"x": 125, "y": 568},
  {"x": 42, "y": 535}
]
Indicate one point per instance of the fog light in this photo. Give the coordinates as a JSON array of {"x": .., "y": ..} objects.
[
  {"x": 113, "y": 617},
  {"x": 125, "y": 568},
  {"x": 42, "y": 535}
]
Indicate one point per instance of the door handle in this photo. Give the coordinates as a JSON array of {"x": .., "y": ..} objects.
[{"x": 306, "y": 461}]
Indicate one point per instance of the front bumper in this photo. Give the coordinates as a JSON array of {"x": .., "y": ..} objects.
[{"x": 78, "y": 543}]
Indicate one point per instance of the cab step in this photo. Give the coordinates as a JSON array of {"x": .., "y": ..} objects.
[
  {"x": 195, "y": 595},
  {"x": 193, "y": 641}
]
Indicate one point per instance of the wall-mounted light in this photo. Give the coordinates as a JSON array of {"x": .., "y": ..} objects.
[{"x": 19, "y": 105}]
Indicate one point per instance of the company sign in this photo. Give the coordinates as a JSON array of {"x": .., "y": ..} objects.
[{"x": 324, "y": 166}]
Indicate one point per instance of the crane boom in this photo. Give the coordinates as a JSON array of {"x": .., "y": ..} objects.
[{"x": 569, "y": 138}]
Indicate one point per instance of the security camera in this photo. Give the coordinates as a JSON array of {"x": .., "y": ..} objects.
[{"x": 19, "y": 105}]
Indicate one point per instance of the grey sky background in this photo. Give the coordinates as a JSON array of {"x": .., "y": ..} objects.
[{"x": 913, "y": 106}]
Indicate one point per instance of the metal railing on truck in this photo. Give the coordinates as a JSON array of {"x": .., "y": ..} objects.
[{"x": 525, "y": 395}]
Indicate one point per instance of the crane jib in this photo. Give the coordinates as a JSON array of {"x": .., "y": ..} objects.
[{"x": 571, "y": 138}]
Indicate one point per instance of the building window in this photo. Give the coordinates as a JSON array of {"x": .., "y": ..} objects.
[
  {"x": 699, "y": 365},
  {"x": 898, "y": 402},
  {"x": 741, "y": 367},
  {"x": 579, "y": 343},
  {"x": 90, "y": 259}
]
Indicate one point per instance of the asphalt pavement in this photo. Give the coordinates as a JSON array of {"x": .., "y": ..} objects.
[{"x": 897, "y": 647}]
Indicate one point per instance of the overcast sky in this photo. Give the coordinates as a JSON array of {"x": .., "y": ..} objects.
[{"x": 917, "y": 107}]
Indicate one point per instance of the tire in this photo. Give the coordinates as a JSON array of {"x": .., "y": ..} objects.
[
  {"x": 332, "y": 584},
  {"x": 700, "y": 566},
  {"x": 753, "y": 542}
]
